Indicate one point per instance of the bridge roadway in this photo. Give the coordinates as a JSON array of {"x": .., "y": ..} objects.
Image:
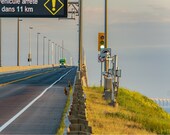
[{"x": 32, "y": 102}]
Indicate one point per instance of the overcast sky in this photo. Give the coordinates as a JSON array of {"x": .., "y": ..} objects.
[{"x": 138, "y": 33}]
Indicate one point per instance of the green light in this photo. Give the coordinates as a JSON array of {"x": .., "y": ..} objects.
[{"x": 102, "y": 42}]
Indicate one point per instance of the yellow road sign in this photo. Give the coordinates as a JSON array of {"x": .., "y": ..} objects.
[{"x": 53, "y": 6}]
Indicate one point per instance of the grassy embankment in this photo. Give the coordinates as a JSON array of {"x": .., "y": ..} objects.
[{"x": 136, "y": 114}]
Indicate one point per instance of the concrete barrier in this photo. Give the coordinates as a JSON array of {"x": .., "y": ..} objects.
[{"x": 77, "y": 114}]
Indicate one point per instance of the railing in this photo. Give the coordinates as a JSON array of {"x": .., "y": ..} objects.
[{"x": 162, "y": 101}]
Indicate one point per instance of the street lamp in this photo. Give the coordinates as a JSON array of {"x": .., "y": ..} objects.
[
  {"x": 37, "y": 46},
  {"x": 107, "y": 84},
  {"x": 52, "y": 53},
  {"x": 18, "y": 42},
  {"x": 44, "y": 50},
  {"x": 29, "y": 54},
  {"x": 58, "y": 53},
  {"x": 49, "y": 52},
  {"x": 80, "y": 34},
  {"x": 0, "y": 43},
  {"x": 55, "y": 53},
  {"x": 61, "y": 52},
  {"x": 62, "y": 49},
  {"x": 71, "y": 61}
]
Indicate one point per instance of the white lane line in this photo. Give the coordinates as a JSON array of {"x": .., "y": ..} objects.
[{"x": 31, "y": 103}]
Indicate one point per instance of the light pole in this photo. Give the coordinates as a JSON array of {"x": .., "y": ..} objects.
[
  {"x": 71, "y": 61},
  {"x": 61, "y": 52},
  {"x": 29, "y": 54},
  {"x": 49, "y": 52},
  {"x": 58, "y": 53},
  {"x": 107, "y": 83},
  {"x": 62, "y": 49},
  {"x": 106, "y": 30},
  {"x": 37, "y": 47},
  {"x": 0, "y": 43},
  {"x": 44, "y": 50},
  {"x": 18, "y": 42},
  {"x": 80, "y": 34},
  {"x": 55, "y": 53},
  {"x": 52, "y": 53}
]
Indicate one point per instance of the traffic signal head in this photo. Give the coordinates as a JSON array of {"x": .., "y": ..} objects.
[{"x": 101, "y": 39}]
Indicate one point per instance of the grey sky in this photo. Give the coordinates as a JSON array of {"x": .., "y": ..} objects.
[{"x": 138, "y": 33}]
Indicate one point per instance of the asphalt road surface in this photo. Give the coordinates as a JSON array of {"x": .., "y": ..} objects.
[{"x": 32, "y": 102}]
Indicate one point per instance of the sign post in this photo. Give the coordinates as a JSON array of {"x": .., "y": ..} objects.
[
  {"x": 33, "y": 8},
  {"x": 0, "y": 42}
]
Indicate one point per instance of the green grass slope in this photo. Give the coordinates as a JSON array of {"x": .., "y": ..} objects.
[
  {"x": 136, "y": 114},
  {"x": 145, "y": 111}
]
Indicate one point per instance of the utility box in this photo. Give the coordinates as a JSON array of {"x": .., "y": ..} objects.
[{"x": 108, "y": 88}]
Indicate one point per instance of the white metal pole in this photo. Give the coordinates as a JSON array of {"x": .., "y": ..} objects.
[
  {"x": 29, "y": 47},
  {"x": 18, "y": 44},
  {"x": 55, "y": 53},
  {"x": 71, "y": 61},
  {"x": 106, "y": 42},
  {"x": 29, "y": 55},
  {"x": 37, "y": 47},
  {"x": 62, "y": 49},
  {"x": 61, "y": 52},
  {"x": 106, "y": 30},
  {"x": 0, "y": 42},
  {"x": 58, "y": 53},
  {"x": 18, "y": 41},
  {"x": 52, "y": 53},
  {"x": 44, "y": 50},
  {"x": 49, "y": 52},
  {"x": 80, "y": 33}
]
